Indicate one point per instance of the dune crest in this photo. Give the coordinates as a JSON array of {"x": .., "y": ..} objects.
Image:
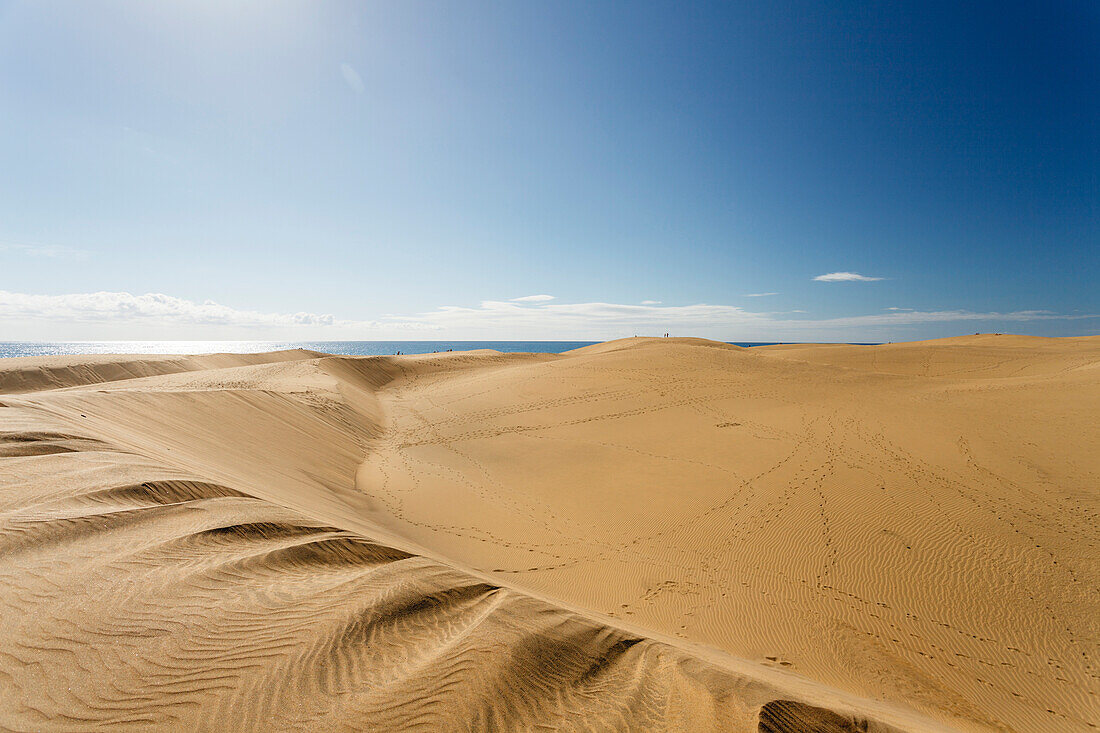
[{"x": 651, "y": 534}]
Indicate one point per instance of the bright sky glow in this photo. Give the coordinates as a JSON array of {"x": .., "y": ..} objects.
[{"x": 574, "y": 170}]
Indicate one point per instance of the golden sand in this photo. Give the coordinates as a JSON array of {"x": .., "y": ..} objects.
[{"x": 646, "y": 534}]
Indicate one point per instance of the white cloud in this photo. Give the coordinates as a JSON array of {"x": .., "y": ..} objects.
[
  {"x": 758, "y": 295},
  {"x": 651, "y": 302},
  {"x": 599, "y": 321},
  {"x": 921, "y": 317},
  {"x": 586, "y": 320},
  {"x": 107, "y": 306},
  {"x": 155, "y": 314},
  {"x": 103, "y": 315},
  {"x": 845, "y": 277},
  {"x": 898, "y": 309},
  {"x": 49, "y": 251},
  {"x": 533, "y": 299},
  {"x": 351, "y": 76}
]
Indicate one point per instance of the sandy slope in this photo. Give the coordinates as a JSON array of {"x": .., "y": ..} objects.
[{"x": 646, "y": 534}]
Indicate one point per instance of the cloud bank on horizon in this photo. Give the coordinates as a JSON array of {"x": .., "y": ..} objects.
[{"x": 106, "y": 315}]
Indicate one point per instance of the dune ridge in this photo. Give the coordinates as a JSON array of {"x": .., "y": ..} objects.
[{"x": 643, "y": 535}]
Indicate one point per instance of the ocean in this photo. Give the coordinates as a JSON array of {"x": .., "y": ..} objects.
[{"x": 10, "y": 349}]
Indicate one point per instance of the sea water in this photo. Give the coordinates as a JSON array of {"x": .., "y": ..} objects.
[{"x": 349, "y": 348}]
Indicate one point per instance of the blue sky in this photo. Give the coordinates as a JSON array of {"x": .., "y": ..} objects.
[{"x": 203, "y": 170}]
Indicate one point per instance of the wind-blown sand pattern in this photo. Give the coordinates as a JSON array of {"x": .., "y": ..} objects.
[{"x": 641, "y": 535}]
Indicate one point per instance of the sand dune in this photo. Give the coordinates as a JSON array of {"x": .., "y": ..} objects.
[
  {"x": 650, "y": 534},
  {"x": 31, "y": 374}
]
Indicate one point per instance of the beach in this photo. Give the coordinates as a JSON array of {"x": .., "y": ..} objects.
[{"x": 643, "y": 534}]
